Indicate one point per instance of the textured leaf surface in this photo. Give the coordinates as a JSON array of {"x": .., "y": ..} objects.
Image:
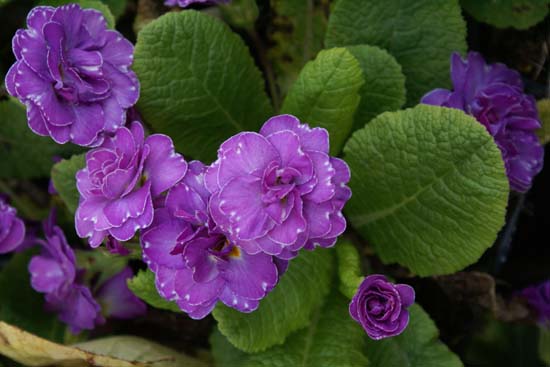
[
  {"x": 520, "y": 14},
  {"x": 384, "y": 88},
  {"x": 543, "y": 107},
  {"x": 349, "y": 268},
  {"x": 198, "y": 82},
  {"x": 418, "y": 346},
  {"x": 544, "y": 345},
  {"x": 118, "y": 351},
  {"x": 429, "y": 188},
  {"x": 297, "y": 32},
  {"x": 143, "y": 286},
  {"x": 64, "y": 180},
  {"x": 92, "y": 4},
  {"x": 332, "y": 339},
  {"x": 326, "y": 94},
  {"x": 24, "y": 154},
  {"x": 21, "y": 305},
  {"x": 286, "y": 309},
  {"x": 420, "y": 34}
]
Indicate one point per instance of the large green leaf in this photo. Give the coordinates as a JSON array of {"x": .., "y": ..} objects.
[
  {"x": 418, "y": 346},
  {"x": 331, "y": 339},
  {"x": 286, "y": 309},
  {"x": 198, "y": 82},
  {"x": 24, "y": 154},
  {"x": 21, "y": 305},
  {"x": 117, "y": 6},
  {"x": 420, "y": 34},
  {"x": 64, "y": 180},
  {"x": 91, "y": 4},
  {"x": 297, "y": 30},
  {"x": 520, "y": 14},
  {"x": 326, "y": 94},
  {"x": 143, "y": 286},
  {"x": 384, "y": 88},
  {"x": 429, "y": 188}
]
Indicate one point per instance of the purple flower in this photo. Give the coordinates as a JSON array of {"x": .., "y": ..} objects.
[
  {"x": 186, "y": 3},
  {"x": 381, "y": 307},
  {"x": 54, "y": 273},
  {"x": 117, "y": 301},
  {"x": 493, "y": 94},
  {"x": 12, "y": 228},
  {"x": 73, "y": 74},
  {"x": 195, "y": 265},
  {"x": 538, "y": 298},
  {"x": 120, "y": 181},
  {"x": 279, "y": 191}
]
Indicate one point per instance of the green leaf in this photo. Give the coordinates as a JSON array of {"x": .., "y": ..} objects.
[
  {"x": 240, "y": 13},
  {"x": 543, "y": 107},
  {"x": 429, "y": 188},
  {"x": 90, "y": 4},
  {"x": 418, "y": 346},
  {"x": 384, "y": 88},
  {"x": 131, "y": 348},
  {"x": 520, "y": 14},
  {"x": 21, "y": 305},
  {"x": 420, "y": 34},
  {"x": 64, "y": 180},
  {"x": 287, "y": 308},
  {"x": 198, "y": 82},
  {"x": 349, "y": 268},
  {"x": 544, "y": 345},
  {"x": 100, "y": 265},
  {"x": 326, "y": 94},
  {"x": 297, "y": 31},
  {"x": 331, "y": 339},
  {"x": 117, "y": 6},
  {"x": 19, "y": 144},
  {"x": 143, "y": 286}
]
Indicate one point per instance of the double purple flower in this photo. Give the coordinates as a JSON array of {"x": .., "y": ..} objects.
[
  {"x": 121, "y": 179},
  {"x": 12, "y": 228},
  {"x": 195, "y": 264},
  {"x": 381, "y": 307},
  {"x": 55, "y": 274},
  {"x": 279, "y": 191},
  {"x": 538, "y": 298},
  {"x": 73, "y": 74},
  {"x": 494, "y": 95}
]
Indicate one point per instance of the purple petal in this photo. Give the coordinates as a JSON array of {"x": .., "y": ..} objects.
[
  {"x": 117, "y": 300},
  {"x": 163, "y": 167}
]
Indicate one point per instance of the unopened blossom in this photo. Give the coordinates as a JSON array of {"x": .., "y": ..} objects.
[
  {"x": 494, "y": 95},
  {"x": 195, "y": 265},
  {"x": 120, "y": 181},
  {"x": 55, "y": 274},
  {"x": 73, "y": 74},
  {"x": 12, "y": 228},
  {"x": 116, "y": 299},
  {"x": 186, "y": 3},
  {"x": 538, "y": 298},
  {"x": 279, "y": 191},
  {"x": 381, "y": 307}
]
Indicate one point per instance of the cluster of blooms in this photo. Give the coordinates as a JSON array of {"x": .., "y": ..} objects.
[
  {"x": 186, "y": 3},
  {"x": 223, "y": 232},
  {"x": 381, "y": 306},
  {"x": 538, "y": 298},
  {"x": 12, "y": 228},
  {"x": 493, "y": 94}
]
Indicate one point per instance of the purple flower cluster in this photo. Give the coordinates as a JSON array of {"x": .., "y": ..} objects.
[
  {"x": 12, "y": 228},
  {"x": 73, "y": 74},
  {"x": 55, "y": 274},
  {"x": 381, "y": 307},
  {"x": 223, "y": 232},
  {"x": 186, "y": 3},
  {"x": 494, "y": 95},
  {"x": 538, "y": 298}
]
